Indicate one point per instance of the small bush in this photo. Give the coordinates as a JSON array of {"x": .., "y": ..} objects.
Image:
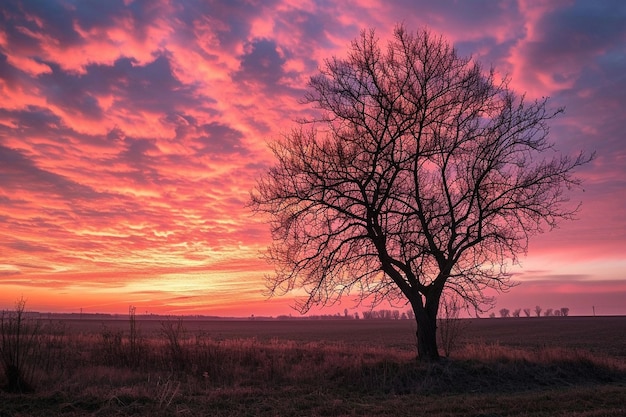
[
  {"x": 450, "y": 326},
  {"x": 112, "y": 347},
  {"x": 20, "y": 348},
  {"x": 174, "y": 333}
]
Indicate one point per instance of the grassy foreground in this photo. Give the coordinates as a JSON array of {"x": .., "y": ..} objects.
[{"x": 105, "y": 370}]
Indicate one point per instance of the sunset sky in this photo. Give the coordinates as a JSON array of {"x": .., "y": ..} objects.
[{"x": 131, "y": 133}]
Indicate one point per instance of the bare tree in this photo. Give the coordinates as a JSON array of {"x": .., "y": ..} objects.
[
  {"x": 516, "y": 312},
  {"x": 564, "y": 311},
  {"x": 505, "y": 312},
  {"x": 548, "y": 312},
  {"x": 538, "y": 311},
  {"x": 420, "y": 172},
  {"x": 527, "y": 312}
]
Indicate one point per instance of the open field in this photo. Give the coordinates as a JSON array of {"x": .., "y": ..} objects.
[
  {"x": 559, "y": 366},
  {"x": 603, "y": 334}
]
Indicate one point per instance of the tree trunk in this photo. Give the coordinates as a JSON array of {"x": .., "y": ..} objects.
[
  {"x": 427, "y": 349},
  {"x": 426, "y": 310},
  {"x": 426, "y": 319}
]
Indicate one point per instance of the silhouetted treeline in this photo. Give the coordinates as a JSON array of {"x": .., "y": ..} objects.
[
  {"x": 383, "y": 314},
  {"x": 549, "y": 312}
]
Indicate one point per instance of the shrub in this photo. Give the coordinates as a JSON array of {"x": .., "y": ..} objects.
[
  {"x": 20, "y": 348},
  {"x": 450, "y": 327},
  {"x": 174, "y": 333},
  {"x": 118, "y": 350}
]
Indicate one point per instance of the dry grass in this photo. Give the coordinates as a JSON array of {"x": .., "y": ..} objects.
[{"x": 174, "y": 371}]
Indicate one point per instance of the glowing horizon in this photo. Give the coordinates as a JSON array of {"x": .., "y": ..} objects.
[{"x": 132, "y": 133}]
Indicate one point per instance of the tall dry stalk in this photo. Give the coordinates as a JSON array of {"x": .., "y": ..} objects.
[{"x": 134, "y": 352}]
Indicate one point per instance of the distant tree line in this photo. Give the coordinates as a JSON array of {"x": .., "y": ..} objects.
[
  {"x": 388, "y": 315},
  {"x": 549, "y": 312}
]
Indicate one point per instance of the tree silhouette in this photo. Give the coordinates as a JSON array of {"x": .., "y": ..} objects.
[{"x": 420, "y": 172}]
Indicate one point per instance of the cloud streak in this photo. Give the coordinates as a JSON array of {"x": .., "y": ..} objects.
[{"x": 132, "y": 132}]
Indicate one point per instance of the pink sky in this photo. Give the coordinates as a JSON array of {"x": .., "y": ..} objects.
[{"x": 131, "y": 133}]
